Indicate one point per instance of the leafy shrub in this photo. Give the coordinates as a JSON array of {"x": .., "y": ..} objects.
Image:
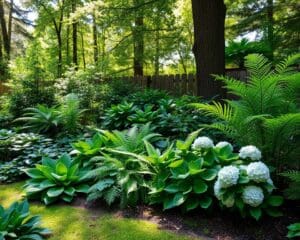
[
  {"x": 42, "y": 119},
  {"x": 247, "y": 189},
  {"x": 16, "y": 223},
  {"x": 54, "y": 180},
  {"x": 294, "y": 230},
  {"x": 71, "y": 113},
  {"x": 119, "y": 176},
  {"x": 293, "y": 190},
  {"x": 266, "y": 113},
  {"x": 21, "y": 151},
  {"x": 5, "y": 120},
  {"x": 30, "y": 97}
]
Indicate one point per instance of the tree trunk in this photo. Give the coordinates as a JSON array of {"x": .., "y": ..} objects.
[
  {"x": 5, "y": 36},
  {"x": 82, "y": 49},
  {"x": 270, "y": 27},
  {"x": 138, "y": 41},
  {"x": 10, "y": 19},
  {"x": 95, "y": 39},
  {"x": 209, "y": 45},
  {"x": 74, "y": 37},
  {"x": 59, "y": 65}
]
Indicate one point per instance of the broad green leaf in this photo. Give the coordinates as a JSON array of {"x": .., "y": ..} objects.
[
  {"x": 209, "y": 174},
  {"x": 255, "y": 213},
  {"x": 172, "y": 188},
  {"x": 176, "y": 164},
  {"x": 173, "y": 201},
  {"x": 199, "y": 186},
  {"x": 61, "y": 169},
  {"x": 275, "y": 201},
  {"x": 55, "y": 191},
  {"x": 205, "y": 202}
]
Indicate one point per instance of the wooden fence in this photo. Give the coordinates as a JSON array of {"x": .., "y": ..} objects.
[{"x": 179, "y": 84}]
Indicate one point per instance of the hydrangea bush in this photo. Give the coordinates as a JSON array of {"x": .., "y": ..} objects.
[{"x": 247, "y": 188}]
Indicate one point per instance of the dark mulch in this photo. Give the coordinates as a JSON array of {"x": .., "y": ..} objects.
[{"x": 211, "y": 225}]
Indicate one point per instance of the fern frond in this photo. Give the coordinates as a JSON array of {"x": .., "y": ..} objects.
[
  {"x": 285, "y": 65},
  {"x": 258, "y": 66}
]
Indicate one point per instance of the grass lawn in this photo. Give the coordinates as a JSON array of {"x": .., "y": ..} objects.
[{"x": 70, "y": 223}]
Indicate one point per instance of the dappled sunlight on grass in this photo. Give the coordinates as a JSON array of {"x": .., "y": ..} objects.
[{"x": 68, "y": 222}]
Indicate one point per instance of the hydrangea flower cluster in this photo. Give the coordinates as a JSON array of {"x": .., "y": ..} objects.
[
  {"x": 228, "y": 176},
  {"x": 251, "y": 152},
  {"x": 258, "y": 172},
  {"x": 224, "y": 144},
  {"x": 253, "y": 196},
  {"x": 203, "y": 142}
]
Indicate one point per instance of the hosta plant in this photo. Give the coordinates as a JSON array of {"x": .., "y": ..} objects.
[
  {"x": 248, "y": 189},
  {"x": 55, "y": 180},
  {"x": 17, "y": 223},
  {"x": 185, "y": 175}
]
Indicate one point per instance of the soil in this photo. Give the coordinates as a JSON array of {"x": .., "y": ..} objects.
[{"x": 215, "y": 225}]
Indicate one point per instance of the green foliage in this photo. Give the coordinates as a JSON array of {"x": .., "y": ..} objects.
[
  {"x": 55, "y": 179},
  {"x": 71, "y": 113},
  {"x": 293, "y": 190},
  {"x": 293, "y": 230},
  {"x": 119, "y": 175},
  {"x": 266, "y": 113},
  {"x": 23, "y": 150},
  {"x": 16, "y": 223},
  {"x": 42, "y": 119}
]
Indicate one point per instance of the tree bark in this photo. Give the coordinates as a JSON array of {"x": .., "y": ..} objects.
[
  {"x": 83, "y": 50},
  {"x": 74, "y": 37},
  {"x": 10, "y": 19},
  {"x": 138, "y": 41},
  {"x": 5, "y": 36},
  {"x": 95, "y": 39},
  {"x": 270, "y": 28},
  {"x": 209, "y": 45}
]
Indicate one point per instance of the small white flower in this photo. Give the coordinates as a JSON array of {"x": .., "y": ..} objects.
[
  {"x": 228, "y": 176},
  {"x": 223, "y": 144},
  {"x": 258, "y": 172},
  {"x": 203, "y": 142},
  {"x": 253, "y": 196},
  {"x": 217, "y": 189},
  {"x": 251, "y": 152}
]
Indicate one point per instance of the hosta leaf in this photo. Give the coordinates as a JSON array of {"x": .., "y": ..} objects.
[
  {"x": 199, "y": 186},
  {"x": 176, "y": 164},
  {"x": 48, "y": 200},
  {"x": 69, "y": 191},
  {"x": 255, "y": 213},
  {"x": 49, "y": 162},
  {"x": 34, "y": 173},
  {"x": 59, "y": 178},
  {"x": 209, "y": 174},
  {"x": 67, "y": 198},
  {"x": 191, "y": 203},
  {"x": 195, "y": 166},
  {"x": 61, "y": 169},
  {"x": 275, "y": 201},
  {"x": 172, "y": 188},
  {"x": 173, "y": 201},
  {"x": 55, "y": 192},
  {"x": 205, "y": 202},
  {"x": 83, "y": 188}
]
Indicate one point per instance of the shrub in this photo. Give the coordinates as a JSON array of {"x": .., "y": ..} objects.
[
  {"x": 119, "y": 176},
  {"x": 248, "y": 189},
  {"x": 266, "y": 113},
  {"x": 16, "y": 223},
  {"x": 54, "y": 180},
  {"x": 42, "y": 119},
  {"x": 293, "y": 190}
]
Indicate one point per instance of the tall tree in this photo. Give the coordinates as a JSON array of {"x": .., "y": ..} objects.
[
  {"x": 209, "y": 44},
  {"x": 74, "y": 35},
  {"x": 4, "y": 31}
]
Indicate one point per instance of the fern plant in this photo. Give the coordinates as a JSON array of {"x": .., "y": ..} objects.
[
  {"x": 293, "y": 190},
  {"x": 266, "y": 113}
]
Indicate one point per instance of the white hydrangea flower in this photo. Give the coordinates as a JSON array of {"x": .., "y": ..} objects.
[
  {"x": 258, "y": 172},
  {"x": 228, "y": 176},
  {"x": 223, "y": 144},
  {"x": 203, "y": 142},
  {"x": 251, "y": 152},
  {"x": 217, "y": 189},
  {"x": 253, "y": 196}
]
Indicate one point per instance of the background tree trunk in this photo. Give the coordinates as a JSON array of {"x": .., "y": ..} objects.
[
  {"x": 270, "y": 27},
  {"x": 95, "y": 39},
  {"x": 209, "y": 45},
  {"x": 138, "y": 41},
  {"x": 74, "y": 36},
  {"x": 5, "y": 36}
]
